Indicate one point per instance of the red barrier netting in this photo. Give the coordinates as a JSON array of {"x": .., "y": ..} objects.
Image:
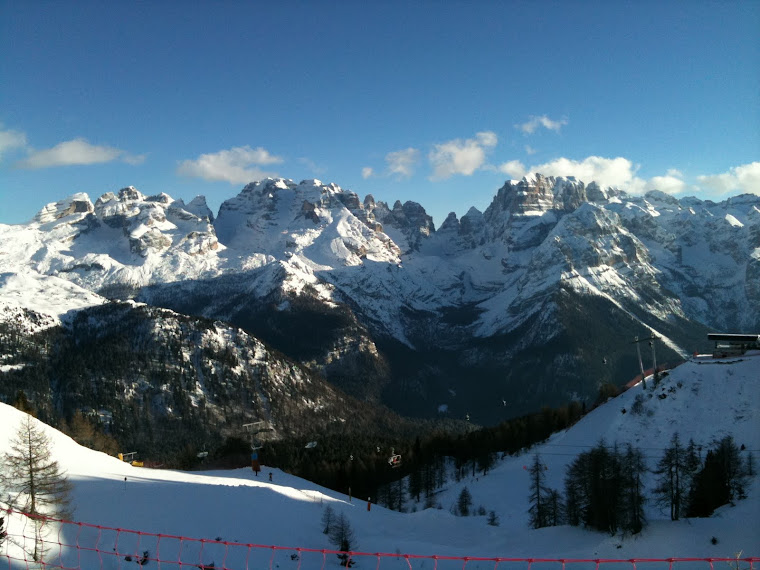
[{"x": 40, "y": 542}]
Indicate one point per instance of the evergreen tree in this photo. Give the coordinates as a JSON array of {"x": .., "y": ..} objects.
[
  {"x": 750, "y": 465},
  {"x": 415, "y": 484},
  {"x": 21, "y": 402},
  {"x": 553, "y": 508},
  {"x": 721, "y": 480},
  {"x": 328, "y": 516},
  {"x": 538, "y": 491},
  {"x": 733, "y": 469},
  {"x": 399, "y": 493},
  {"x": 3, "y": 534},
  {"x": 594, "y": 487},
  {"x": 343, "y": 538},
  {"x": 633, "y": 499},
  {"x": 674, "y": 478},
  {"x": 493, "y": 518},
  {"x": 428, "y": 479},
  {"x": 574, "y": 493},
  {"x": 34, "y": 481},
  {"x": 708, "y": 490},
  {"x": 464, "y": 502},
  {"x": 485, "y": 461}
]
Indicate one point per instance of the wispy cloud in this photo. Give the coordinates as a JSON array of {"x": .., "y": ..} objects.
[
  {"x": 534, "y": 123},
  {"x": 461, "y": 156},
  {"x": 402, "y": 163},
  {"x": 76, "y": 152},
  {"x": 367, "y": 172},
  {"x": 530, "y": 150},
  {"x": 10, "y": 140},
  {"x": 312, "y": 166},
  {"x": 237, "y": 165},
  {"x": 744, "y": 179}
]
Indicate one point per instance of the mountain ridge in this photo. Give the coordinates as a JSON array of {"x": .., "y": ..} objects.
[{"x": 395, "y": 311}]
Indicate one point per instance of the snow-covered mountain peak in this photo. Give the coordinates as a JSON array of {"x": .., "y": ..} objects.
[
  {"x": 323, "y": 223},
  {"x": 408, "y": 224},
  {"x": 75, "y": 204}
]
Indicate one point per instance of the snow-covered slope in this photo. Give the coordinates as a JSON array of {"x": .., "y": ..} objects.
[{"x": 704, "y": 399}]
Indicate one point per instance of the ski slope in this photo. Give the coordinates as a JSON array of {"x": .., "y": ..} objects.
[{"x": 705, "y": 399}]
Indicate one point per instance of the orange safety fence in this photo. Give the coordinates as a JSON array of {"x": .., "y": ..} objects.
[{"x": 40, "y": 542}]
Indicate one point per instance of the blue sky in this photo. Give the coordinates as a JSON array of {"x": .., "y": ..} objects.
[{"x": 436, "y": 102}]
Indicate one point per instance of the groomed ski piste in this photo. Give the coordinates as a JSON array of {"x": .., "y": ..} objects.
[{"x": 704, "y": 399}]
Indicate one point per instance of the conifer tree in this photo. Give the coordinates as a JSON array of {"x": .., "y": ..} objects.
[
  {"x": 328, "y": 516},
  {"x": 553, "y": 508},
  {"x": 633, "y": 498},
  {"x": 538, "y": 509},
  {"x": 722, "y": 479},
  {"x": 674, "y": 478},
  {"x": 34, "y": 481},
  {"x": 343, "y": 538},
  {"x": 464, "y": 502},
  {"x": 595, "y": 490}
]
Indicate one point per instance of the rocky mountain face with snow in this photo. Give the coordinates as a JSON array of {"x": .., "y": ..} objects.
[
  {"x": 167, "y": 384},
  {"x": 533, "y": 302}
]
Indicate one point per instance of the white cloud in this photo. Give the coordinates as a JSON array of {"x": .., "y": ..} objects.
[
  {"x": 514, "y": 169},
  {"x": 616, "y": 172},
  {"x": 75, "y": 152},
  {"x": 10, "y": 140},
  {"x": 237, "y": 165},
  {"x": 744, "y": 179},
  {"x": 543, "y": 121},
  {"x": 620, "y": 173},
  {"x": 402, "y": 162},
  {"x": 367, "y": 171},
  {"x": 487, "y": 138},
  {"x": 460, "y": 156},
  {"x": 671, "y": 183},
  {"x": 530, "y": 150}
]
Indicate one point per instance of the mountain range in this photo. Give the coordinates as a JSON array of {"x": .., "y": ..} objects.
[{"x": 534, "y": 302}]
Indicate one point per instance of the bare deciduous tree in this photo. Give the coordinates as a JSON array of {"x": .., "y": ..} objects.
[{"x": 33, "y": 480}]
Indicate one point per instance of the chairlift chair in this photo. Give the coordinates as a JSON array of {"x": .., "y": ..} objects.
[{"x": 395, "y": 459}]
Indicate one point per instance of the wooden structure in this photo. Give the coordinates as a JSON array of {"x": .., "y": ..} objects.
[{"x": 733, "y": 344}]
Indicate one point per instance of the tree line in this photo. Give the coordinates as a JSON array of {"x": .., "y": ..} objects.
[{"x": 604, "y": 489}]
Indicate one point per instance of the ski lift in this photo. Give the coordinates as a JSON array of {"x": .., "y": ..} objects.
[
  {"x": 395, "y": 459},
  {"x": 253, "y": 429}
]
